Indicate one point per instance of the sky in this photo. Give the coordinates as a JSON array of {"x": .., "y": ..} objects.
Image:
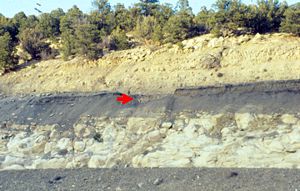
[{"x": 10, "y": 7}]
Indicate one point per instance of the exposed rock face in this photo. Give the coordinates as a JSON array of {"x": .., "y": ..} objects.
[
  {"x": 198, "y": 140},
  {"x": 244, "y": 125}
]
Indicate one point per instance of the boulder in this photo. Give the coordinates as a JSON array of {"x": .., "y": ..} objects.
[
  {"x": 244, "y": 120},
  {"x": 55, "y": 163},
  {"x": 65, "y": 143},
  {"x": 141, "y": 125},
  {"x": 79, "y": 146},
  {"x": 97, "y": 161},
  {"x": 166, "y": 125},
  {"x": 154, "y": 136},
  {"x": 289, "y": 119}
]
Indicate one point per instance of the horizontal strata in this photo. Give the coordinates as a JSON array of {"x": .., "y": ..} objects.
[
  {"x": 242, "y": 88},
  {"x": 65, "y": 109},
  {"x": 234, "y": 129}
]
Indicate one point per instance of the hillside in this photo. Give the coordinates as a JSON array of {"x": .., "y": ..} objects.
[
  {"x": 247, "y": 125},
  {"x": 200, "y": 61},
  {"x": 213, "y": 96}
]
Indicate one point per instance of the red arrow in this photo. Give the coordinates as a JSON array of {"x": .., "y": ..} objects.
[{"x": 124, "y": 99}]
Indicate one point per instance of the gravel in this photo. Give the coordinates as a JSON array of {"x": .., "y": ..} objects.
[{"x": 208, "y": 179}]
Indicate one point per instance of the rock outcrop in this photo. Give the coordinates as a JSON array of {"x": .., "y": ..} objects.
[{"x": 192, "y": 140}]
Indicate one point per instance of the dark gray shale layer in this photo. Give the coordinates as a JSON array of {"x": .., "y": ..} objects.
[
  {"x": 66, "y": 108},
  {"x": 262, "y": 86}
]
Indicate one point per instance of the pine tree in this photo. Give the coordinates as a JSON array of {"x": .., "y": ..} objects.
[
  {"x": 49, "y": 25},
  {"x": 184, "y": 6},
  {"x": 145, "y": 27},
  {"x": 19, "y": 20},
  {"x": 68, "y": 44},
  {"x": 102, "y": 17},
  {"x": 181, "y": 25},
  {"x": 68, "y": 24},
  {"x": 269, "y": 15},
  {"x": 147, "y": 7},
  {"x": 6, "y": 25},
  {"x": 7, "y": 59},
  {"x": 119, "y": 40},
  {"x": 163, "y": 13},
  {"x": 205, "y": 20},
  {"x": 158, "y": 34},
  {"x": 178, "y": 28},
  {"x": 291, "y": 23},
  {"x": 122, "y": 18},
  {"x": 88, "y": 41}
]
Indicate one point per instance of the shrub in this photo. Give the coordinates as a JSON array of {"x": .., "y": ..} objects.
[{"x": 33, "y": 42}]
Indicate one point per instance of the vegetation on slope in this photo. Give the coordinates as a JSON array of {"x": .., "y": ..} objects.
[{"x": 106, "y": 28}]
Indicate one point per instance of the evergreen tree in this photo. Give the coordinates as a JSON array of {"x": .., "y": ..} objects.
[
  {"x": 68, "y": 24},
  {"x": 122, "y": 18},
  {"x": 68, "y": 44},
  {"x": 102, "y": 17},
  {"x": 205, "y": 20},
  {"x": 57, "y": 13},
  {"x": 119, "y": 40},
  {"x": 291, "y": 23},
  {"x": 7, "y": 59},
  {"x": 163, "y": 13},
  {"x": 184, "y": 6},
  {"x": 158, "y": 35},
  {"x": 178, "y": 28},
  {"x": 145, "y": 28},
  {"x": 71, "y": 19},
  {"x": 230, "y": 17},
  {"x": 6, "y": 25},
  {"x": 49, "y": 25},
  {"x": 31, "y": 21},
  {"x": 19, "y": 20},
  {"x": 147, "y": 7},
  {"x": 268, "y": 16},
  {"x": 88, "y": 41}
]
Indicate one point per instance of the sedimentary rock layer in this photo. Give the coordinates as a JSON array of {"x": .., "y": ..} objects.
[{"x": 252, "y": 125}]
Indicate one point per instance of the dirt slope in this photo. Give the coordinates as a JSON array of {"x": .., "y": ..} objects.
[{"x": 203, "y": 60}]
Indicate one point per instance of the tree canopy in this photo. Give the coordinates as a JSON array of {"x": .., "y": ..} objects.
[{"x": 108, "y": 27}]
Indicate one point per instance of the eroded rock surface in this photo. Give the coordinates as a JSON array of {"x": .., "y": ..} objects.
[
  {"x": 245, "y": 125},
  {"x": 201, "y": 140}
]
